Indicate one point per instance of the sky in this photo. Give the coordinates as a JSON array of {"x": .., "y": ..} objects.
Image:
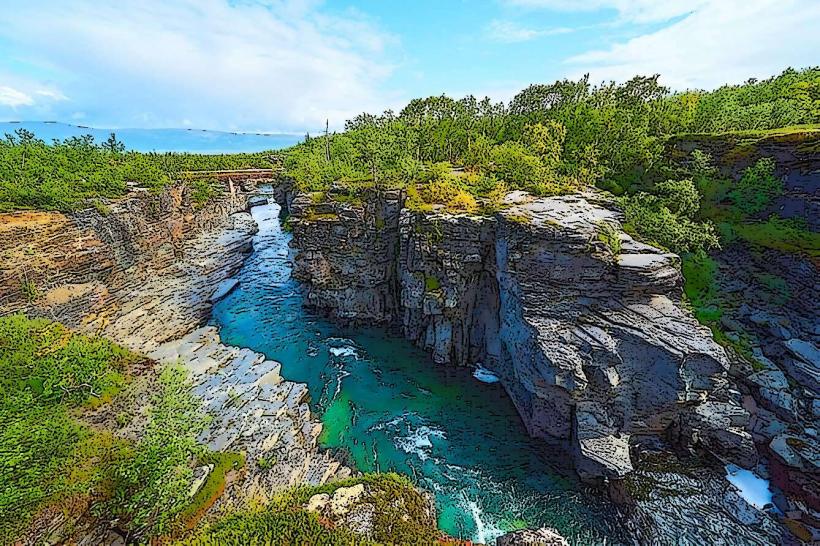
[{"x": 289, "y": 65}]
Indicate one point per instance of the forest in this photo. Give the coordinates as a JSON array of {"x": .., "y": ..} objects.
[{"x": 564, "y": 137}]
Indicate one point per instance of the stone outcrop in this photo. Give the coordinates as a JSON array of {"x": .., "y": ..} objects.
[
  {"x": 532, "y": 537},
  {"x": 596, "y": 346},
  {"x": 254, "y": 411},
  {"x": 593, "y": 348},
  {"x": 108, "y": 270},
  {"x": 380, "y": 511},
  {"x": 347, "y": 254}
]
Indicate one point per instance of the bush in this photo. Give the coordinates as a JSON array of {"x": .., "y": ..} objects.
[
  {"x": 650, "y": 219},
  {"x": 514, "y": 164},
  {"x": 700, "y": 286},
  {"x": 679, "y": 196},
  {"x": 64, "y": 175},
  {"x": 757, "y": 187},
  {"x": 45, "y": 454},
  {"x": 400, "y": 518},
  {"x": 151, "y": 487}
]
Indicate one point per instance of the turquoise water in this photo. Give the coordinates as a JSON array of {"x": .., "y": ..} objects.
[
  {"x": 386, "y": 406},
  {"x": 161, "y": 140}
]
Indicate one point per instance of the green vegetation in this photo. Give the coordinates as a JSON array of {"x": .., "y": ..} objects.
[
  {"x": 50, "y": 457},
  {"x": 431, "y": 283},
  {"x": 700, "y": 287},
  {"x": 45, "y": 453},
  {"x": 790, "y": 236},
  {"x": 757, "y": 187},
  {"x": 151, "y": 486},
  {"x": 284, "y": 520},
  {"x": 213, "y": 487},
  {"x": 558, "y": 138},
  {"x": 610, "y": 236},
  {"x": 65, "y": 174}
]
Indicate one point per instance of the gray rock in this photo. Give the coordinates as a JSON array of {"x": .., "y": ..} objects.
[
  {"x": 223, "y": 289},
  {"x": 544, "y": 536},
  {"x": 543, "y": 303}
]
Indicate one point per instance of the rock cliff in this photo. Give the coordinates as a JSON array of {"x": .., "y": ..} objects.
[
  {"x": 143, "y": 272},
  {"x": 592, "y": 345}
]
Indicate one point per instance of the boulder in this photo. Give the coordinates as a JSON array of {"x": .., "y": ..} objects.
[{"x": 544, "y": 536}]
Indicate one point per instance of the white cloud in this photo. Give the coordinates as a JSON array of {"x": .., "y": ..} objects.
[
  {"x": 637, "y": 11},
  {"x": 231, "y": 64},
  {"x": 510, "y": 32},
  {"x": 723, "y": 41},
  {"x": 13, "y": 97}
]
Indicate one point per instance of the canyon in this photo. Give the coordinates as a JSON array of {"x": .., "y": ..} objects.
[{"x": 588, "y": 337}]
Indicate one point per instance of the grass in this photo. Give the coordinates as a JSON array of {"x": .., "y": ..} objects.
[
  {"x": 521, "y": 219},
  {"x": 784, "y": 235},
  {"x": 610, "y": 236},
  {"x": 808, "y": 128},
  {"x": 400, "y": 518},
  {"x": 313, "y": 216},
  {"x": 700, "y": 287},
  {"x": 214, "y": 486},
  {"x": 431, "y": 283}
]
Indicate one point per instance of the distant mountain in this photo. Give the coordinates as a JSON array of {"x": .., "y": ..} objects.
[{"x": 162, "y": 140}]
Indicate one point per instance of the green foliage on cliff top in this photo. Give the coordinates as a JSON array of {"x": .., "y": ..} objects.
[
  {"x": 568, "y": 133},
  {"x": 64, "y": 174},
  {"x": 400, "y": 517},
  {"x": 559, "y": 138}
]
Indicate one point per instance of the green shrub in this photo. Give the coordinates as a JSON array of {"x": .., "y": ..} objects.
[
  {"x": 151, "y": 487},
  {"x": 757, "y": 187},
  {"x": 648, "y": 217},
  {"x": 680, "y": 196},
  {"x": 400, "y": 518},
  {"x": 46, "y": 455},
  {"x": 203, "y": 189},
  {"x": 64, "y": 175},
  {"x": 700, "y": 286},
  {"x": 516, "y": 165}
]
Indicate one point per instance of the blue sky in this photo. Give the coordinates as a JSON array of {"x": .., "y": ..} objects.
[{"x": 287, "y": 65}]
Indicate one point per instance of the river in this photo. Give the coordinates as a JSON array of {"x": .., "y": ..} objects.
[{"x": 386, "y": 406}]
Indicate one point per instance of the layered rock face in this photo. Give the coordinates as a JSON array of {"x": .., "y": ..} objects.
[
  {"x": 592, "y": 347},
  {"x": 596, "y": 346},
  {"x": 145, "y": 274},
  {"x": 347, "y": 255},
  {"x": 110, "y": 270}
]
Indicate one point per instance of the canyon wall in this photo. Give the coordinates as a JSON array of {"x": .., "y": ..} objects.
[
  {"x": 108, "y": 269},
  {"x": 592, "y": 346},
  {"x": 144, "y": 271}
]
